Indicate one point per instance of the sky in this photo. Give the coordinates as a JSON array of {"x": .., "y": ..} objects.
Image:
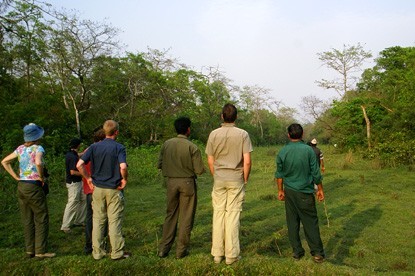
[{"x": 272, "y": 44}]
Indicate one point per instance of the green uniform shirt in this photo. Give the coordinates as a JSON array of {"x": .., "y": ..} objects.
[
  {"x": 180, "y": 158},
  {"x": 297, "y": 166}
]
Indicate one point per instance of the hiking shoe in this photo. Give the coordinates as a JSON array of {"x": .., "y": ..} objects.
[
  {"x": 230, "y": 261},
  {"x": 66, "y": 230},
  {"x": 184, "y": 254},
  {"x": 217, "y": 259},
  {"x": 318, "y": 259},
  {"x": 163, "y": 255},
  {"x": 45, "y": 255},
  {"x": 298, "y": 256},
  {"x": 126, "y": 255}
]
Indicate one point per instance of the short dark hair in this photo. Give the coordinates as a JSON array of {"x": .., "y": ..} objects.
[
  {"x": 229, "y": 113},
  {"x": 295, "y": 131},
  {"x": 74, "y": 143},
  {"x": 181, "y": 125}
]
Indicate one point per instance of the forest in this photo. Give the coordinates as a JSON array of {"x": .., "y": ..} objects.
[{"x": 69, "y": 74}]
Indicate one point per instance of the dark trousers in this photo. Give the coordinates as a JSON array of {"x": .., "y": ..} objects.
[
  {"x": 88, "y": 224},
  {"x": 181, "y": 209},
  {"x": 302, "y": 207},
  {"x": 35, "y": 217}
]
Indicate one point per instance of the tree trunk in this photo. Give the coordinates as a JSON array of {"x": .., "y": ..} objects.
[
  {"x": 78, "y": 123},
  {"x": 367, "y": 126}
]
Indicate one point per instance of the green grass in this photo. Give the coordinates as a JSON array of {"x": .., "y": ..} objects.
[{"x": 371, "y": 230}]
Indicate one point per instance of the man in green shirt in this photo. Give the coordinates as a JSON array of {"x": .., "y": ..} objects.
[
  {"x": 297, "y": 171},
  {"x": 180, "y": 161}
]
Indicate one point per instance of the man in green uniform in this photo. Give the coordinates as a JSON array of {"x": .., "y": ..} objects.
[
  {"x": 297, "y": 171},
  {"x": 180, "y": 161}
]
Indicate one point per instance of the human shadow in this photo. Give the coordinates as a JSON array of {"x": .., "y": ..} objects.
[{"x": 343, "y": 240}]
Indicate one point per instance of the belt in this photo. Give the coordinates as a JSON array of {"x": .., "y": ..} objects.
[{"x": 34, "y": 182}]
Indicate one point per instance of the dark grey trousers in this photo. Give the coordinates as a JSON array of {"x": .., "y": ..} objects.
[{"x": 35, "y": 217}]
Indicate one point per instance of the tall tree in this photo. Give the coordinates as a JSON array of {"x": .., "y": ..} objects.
[
  {"x": 24, "y": 32},
  {"x": 254, "y": 100},
  {"x": 346, "y": 62},
  {"x": 76, "y": 45}
]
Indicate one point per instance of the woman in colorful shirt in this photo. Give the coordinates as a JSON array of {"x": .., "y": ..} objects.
[{"x": 31, "y": 197}]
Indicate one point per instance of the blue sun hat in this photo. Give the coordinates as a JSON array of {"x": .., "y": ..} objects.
[{"x": 32, "y": 132}]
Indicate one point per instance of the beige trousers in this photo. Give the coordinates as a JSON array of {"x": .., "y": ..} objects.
[
  {"x": 227, "y": 199},
  {"x": 107, "y": 207},
  {"x": 75, "y": 210}
]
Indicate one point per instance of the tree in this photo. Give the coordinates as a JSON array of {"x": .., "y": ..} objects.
[
  {"x": 254, "y": 100},
  {"x": 345, "y": 62},
  {"x": 76, "y": 46},
  {"x": 315, "y": 108},
  {"x": 25, "y": 35}
]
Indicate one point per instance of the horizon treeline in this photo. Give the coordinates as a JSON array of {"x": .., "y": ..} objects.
[{"x": 69, "y": 75}]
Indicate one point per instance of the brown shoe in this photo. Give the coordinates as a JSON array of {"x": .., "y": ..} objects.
[
  {"x": 318, "y": 259},
  {"x": 45, "y": 255},
  {"x": 67, "y": 230},
  {"x": 182, "y": 255},
  {"x": 126, "y": 255},
  {"x": 163, "y": 255},
  {"x": 217, "y": 259},
  {"x": 230, "y": 261}
]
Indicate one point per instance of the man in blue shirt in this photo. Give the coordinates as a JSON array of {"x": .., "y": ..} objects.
[
  {"x": 108, "y": 179},
  {"x": 297, "y": 171}
]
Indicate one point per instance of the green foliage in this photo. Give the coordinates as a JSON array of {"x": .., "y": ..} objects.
[
  {"x": 349, "y": 126},
  {"x": 386, "y": 92},
  {"x": 395, "y": 152},
  {"x": 65, "y": 74}
]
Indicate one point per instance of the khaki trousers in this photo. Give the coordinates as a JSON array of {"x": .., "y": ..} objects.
[
  {"x": 108, "y": 207},
  {"x": 227, "y": 199}
]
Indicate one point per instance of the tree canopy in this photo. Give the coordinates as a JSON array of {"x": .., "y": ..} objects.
[{"x": 69, "y": 75}]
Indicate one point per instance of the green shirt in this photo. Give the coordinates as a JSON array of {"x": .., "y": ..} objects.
[
  {"x": 180, "y": 158},
  {"x": 297, "y": 166}
]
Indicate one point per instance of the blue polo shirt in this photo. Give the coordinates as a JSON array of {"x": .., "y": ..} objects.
[
  {"x": 106, "y": 157},
  {"x": 297, "y": 166}
]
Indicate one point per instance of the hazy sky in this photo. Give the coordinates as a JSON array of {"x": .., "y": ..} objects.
[{"x": 269, "y": 43}]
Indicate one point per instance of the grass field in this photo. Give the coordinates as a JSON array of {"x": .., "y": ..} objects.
[{"x": 367, "y": 223}]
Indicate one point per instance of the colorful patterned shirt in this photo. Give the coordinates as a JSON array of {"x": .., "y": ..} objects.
[{"x": 27, "y": 164}]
